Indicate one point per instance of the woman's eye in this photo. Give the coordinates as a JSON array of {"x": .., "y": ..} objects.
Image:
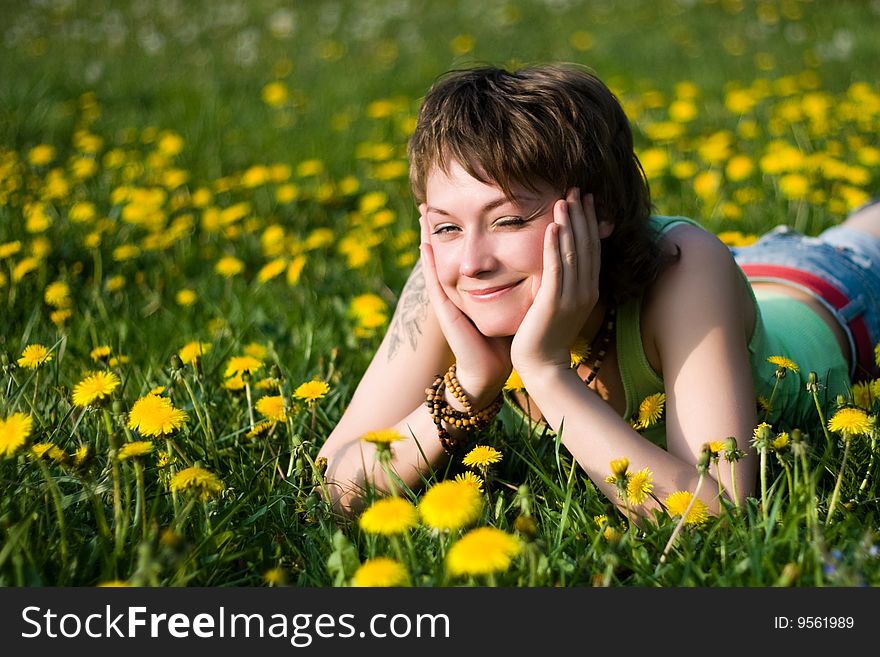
[
  {"x": 444, "y": 229},
  {"x": 511, "y": 221}
]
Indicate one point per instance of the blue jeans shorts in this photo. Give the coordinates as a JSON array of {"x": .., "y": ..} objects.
[{"x": 840, "y": 268}]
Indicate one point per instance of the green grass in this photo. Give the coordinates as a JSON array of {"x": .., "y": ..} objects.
[{"x": 132, "y": 75}]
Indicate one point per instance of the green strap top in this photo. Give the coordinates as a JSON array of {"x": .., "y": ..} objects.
[{"x": 783, "y": 327}]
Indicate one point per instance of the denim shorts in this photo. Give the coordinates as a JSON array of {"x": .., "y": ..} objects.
[{"x": 840, "y": 268}]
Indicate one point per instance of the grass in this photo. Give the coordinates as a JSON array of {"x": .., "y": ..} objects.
[{"x": 170, "y": 135}]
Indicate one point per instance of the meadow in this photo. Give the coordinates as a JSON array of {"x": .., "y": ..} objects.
[{"x": 205, "y": 222}]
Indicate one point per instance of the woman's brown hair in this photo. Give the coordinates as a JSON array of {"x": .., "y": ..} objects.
[{"x": 559, "y": 125}]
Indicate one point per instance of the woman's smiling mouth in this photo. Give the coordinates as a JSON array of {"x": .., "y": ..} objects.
[{"x": 491, "y": 293}]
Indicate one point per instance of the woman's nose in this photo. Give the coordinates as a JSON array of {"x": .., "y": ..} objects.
[{"x": 477, "y": 256}]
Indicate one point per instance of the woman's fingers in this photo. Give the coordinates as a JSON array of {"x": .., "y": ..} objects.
[{"x": 567, "y": 248}]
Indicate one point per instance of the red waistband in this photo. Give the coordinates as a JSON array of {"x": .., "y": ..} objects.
[{"x": 833, "y": 296}]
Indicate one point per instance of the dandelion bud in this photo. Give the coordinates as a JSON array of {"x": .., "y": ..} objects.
[
  {"x": 762, "y": 436},
  {"x": 730, "y": 444},
  {"x": 841, "y": 401},
  {"x": 796, "y": 436},
  {"x": 813, "y": 383},
  {"x": 275, "y": 372},
  {"x": 523, "y": 499},
  {"x": 118, "y": 407},
  {"x": 176, "y": 362},
  {"x": 705, "y": 459},
  {"x": 619, "y": 467},
  {"x": 527, "y": 526},
  {"x": 321, "y": 465}
]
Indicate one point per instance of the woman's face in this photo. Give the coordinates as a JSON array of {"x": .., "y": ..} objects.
[{"x": 488, "y": 249}]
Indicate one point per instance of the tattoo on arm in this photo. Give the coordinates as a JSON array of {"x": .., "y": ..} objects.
[{"x": 411, "y": 312}]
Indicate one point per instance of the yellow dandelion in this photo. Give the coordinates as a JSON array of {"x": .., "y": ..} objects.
[
  {"x": 260, "y": 428},
  {"x": 49, "y": 450},
  {"x": 34, "y": 355},
  {"x": 271, "y": 407},
  {"x": 469, "y": 477},
  {"x": 784, "y": 363},
  {"x": 192, "y": 351},
  {"x": 94, "y": 388},
  {"x": 390, "y": 516},
  {"x": 619, "y": 467},
  {"x": 229, "y": 266},
  {"x": 780, "y": 441},
  {"x": 651, "y": 410},
  {"x": 275, "y": 577},
  {"x": 14, "y": 431},
  {"x": 481, "y": 456},
  {"x": 57, "y": 294},
  {"x": 580, "y": 351},
  {"x": 186, "y": 297},
  {"x": 863, "y": 395},
  {"x": 877, "y": 354},
  {"x": 201, "y": 482},
  {"x": 514, "y": 382},
  {"x": 239, "y": 365},
  {"x": 100, "y": 353},
  {"x": 677, "y": 502},
  {"x": 715, "y": 446},
  {"x": 450, "y": 505},
  {"x": 851, "y": 422},
  {"x": 382, "y": 437},
  {"x": 135, "y": 449},
  {"x": 311, "y": 391},
  {"x": 256, "y": 350},
  {"x": 81, "y": 456},
  {"x": 152, "y": 415},
  {"x": 482, "y": 551},
  {"x": 234, "y": 383},
  {"x": 639, "y": 486},
  {"x": 380, "y": 571}
]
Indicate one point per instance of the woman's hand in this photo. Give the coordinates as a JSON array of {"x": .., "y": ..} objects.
[
  {"x": 569, "y": 286},
  {"x": 483, "y": 363}
]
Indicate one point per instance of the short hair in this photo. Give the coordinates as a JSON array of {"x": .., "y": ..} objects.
[{"x": 556, "y": 124}]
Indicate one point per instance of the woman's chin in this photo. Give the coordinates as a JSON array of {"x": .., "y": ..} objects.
[{"x": 498, "y": 327}]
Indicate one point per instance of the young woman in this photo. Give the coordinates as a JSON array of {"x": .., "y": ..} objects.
[{"x": 537, "y": 239}]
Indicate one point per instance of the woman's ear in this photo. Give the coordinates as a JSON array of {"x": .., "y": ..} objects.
[{"x": 605, "y": 228}]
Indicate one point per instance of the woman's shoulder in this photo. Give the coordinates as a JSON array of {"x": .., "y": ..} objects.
[{"x": 703, "y": 273}]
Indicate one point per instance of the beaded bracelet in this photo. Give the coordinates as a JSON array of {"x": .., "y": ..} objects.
[{"x": 466, "y": 420}]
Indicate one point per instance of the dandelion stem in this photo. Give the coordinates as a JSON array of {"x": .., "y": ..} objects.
[
  {"x": 56, "y": 501},
  {"x": 847, "y": 439},
  {"x": 204, "y": 423},
  {"x": 140, "y": 502},
  {"x": 117, "y": 489},
  {"x": 247, "y": 390},
  {"x": 764, "y": 482},
  {"x": 870, "y": 462},
  {"x": 733, "y": 483}
]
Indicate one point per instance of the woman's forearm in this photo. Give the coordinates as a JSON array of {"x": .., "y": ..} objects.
[{"x": 595, "y": 435}]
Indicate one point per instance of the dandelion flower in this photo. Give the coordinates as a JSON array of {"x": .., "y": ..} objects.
[
  {"x": 651, "y": 410},
  {"x": 471, "y": 478},
  {"x": 135, "y": 449},
  {"x": 619, "y": 467},
  {"x": 229, "y": 266},
  {"x": 234, "y": 382},
  {"x": 877, "y": 354},
  {"x": 275, "y": 577},
  {"x": 863, "y": 395},
  {"x": 851, "y": 422},
  {"x": 192, "y": 351},
  {"x": 450, "y": 505},
  {"x": 784, "y": 363},
  {"x": 393, "y": 515},
  {"x": 311, "y": 391},
  {"x": 100, "y": 353},
  {"x": 482, "y": 551},
  {"x": 580, "y": 351},
  {"x": 271, "y": 407},
  {"x": 95, "y": 387},
  {"x": 780, "y": 441},
  {"x": 481, "y": 456},
  {"x": 716, "y": 446},
  {"x": 14, "y": 430},
  {"x": 50, "y": 450},
  {"x": 380, "y": 571},
  {"x": 677, "y": 502},
  {"x": 203, "y": 483},
  {"x": 34, "y": 355},
  {"x": 514, "y": 382},
  {"x": 639, "y": 486},
  {"x": 152, "y": 415},
  {"x": 186, "y": 297},
  {"x": 382, "y": 437},
  {"x": 260, "y": 428},
  {"x": 239, "y": 365}
]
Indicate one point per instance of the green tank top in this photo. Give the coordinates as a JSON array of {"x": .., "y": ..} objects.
[{"x": 783, "y": 327}]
